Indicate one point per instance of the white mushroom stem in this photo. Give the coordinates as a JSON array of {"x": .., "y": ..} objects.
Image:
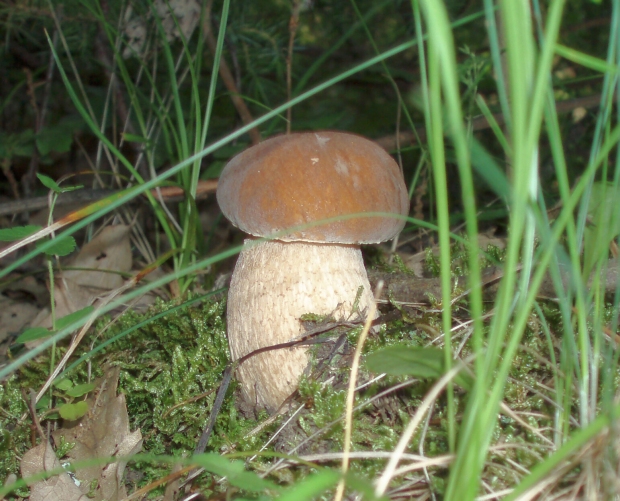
[{"x": 273, "y": 285}]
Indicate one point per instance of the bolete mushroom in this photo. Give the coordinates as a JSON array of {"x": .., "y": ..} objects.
[{"x": 295, "y": 182}]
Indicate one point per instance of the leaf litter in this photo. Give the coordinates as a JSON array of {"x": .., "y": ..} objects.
[
  {"x": 103, "y": 433},
  {"x": 96, "y": 270},
  {"x": 61, "y": 487}
]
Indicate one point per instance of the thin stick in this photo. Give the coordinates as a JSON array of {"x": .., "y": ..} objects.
[{"x": 348, "y": 426}]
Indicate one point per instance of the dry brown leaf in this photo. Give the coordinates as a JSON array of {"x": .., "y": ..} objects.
[
  {"x": 109, "y": 251},
  {"x": 17, "y": 285},
  {"x": 102, "y": 432},
  {"x": 69, "y": 297},
  {"x": 57, "y": 488},
  {"x": 414, "y": 262},
  {"x": 14, "y": 316},
  {"x": 176, "y": 17},
  {"x": 489, "y": 238}
]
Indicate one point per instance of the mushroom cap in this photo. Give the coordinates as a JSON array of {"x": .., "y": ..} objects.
[{"x": 291, "y": 181}]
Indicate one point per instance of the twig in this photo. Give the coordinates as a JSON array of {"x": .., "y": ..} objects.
[
  {"x": 32, "y": 406},
  {"x": 168, "y": 193},
  {"x": 404, "y": 288},
  {"x": 161, "y": 481},
  {"x": 217, "y": 404}
]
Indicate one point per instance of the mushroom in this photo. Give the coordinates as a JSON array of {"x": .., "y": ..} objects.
[{"x": 284, "y": 188}]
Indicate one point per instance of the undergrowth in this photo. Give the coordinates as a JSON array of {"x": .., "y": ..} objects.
[{"x": 538, "y": 381}]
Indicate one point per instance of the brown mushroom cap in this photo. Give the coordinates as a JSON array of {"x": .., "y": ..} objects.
[{"x": 289, "y": 181}]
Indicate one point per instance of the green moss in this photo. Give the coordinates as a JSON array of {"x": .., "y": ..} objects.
[
  {"x": 14, "y": 436},
  {"x": 171, "y": 369}
]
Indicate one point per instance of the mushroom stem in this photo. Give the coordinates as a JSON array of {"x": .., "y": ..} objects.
[{"x": 274, "y": 283}]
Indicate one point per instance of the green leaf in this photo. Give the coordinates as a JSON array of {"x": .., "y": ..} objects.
[
  {"x": 32, "y": 334},
  {"x": 17, "y": 145},
  {"x": 41, "y": 332},
  {"x": 65, "y": 189},
  {"x": 48, "y": 182},
  {"x": 54, "y": 186},
  {"x": 63, "y": 384},
  {"x": 487, "y": 168},
  {"x": 74, "y": 411},
  {"x": 51, "y": 139},
  {"x": 235, "y": 472},
  {"x": 586, "y": 60},
  {"x": 18, "y": 232},
  {"x": 604, "y": 223},
  {"x": 59, "y": 136},
  {"x": 61, "y": 247},
  {"x": 250, "y": 481},
  {"x": 214, "y": 170},
  {"x": 311, "y": 487},
  {"x": 402, "y": 360},
  {"x": 133, "y": 138},
  {"x": 63, "y": 322},
  {"x": 43, "y": 402},
  {"x": 228, "y": 151},
  {"x": 80, "y": 389},
  {"x": 423, "y": 363}
]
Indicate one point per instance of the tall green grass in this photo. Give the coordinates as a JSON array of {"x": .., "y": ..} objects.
[{"x": 523, "y": 68}]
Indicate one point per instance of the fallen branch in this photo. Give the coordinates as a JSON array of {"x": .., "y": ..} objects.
[{"x": 405, "y": 288}]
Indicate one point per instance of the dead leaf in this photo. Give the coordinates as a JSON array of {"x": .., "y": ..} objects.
[
  {"x": 18, "y": 306},
  {"x": 99, "y": 261},
  {"x": 414, "y": 262},
  {"x": 489, "y": 238},
  {"x": 102, "y": 432},
  {"x": 14, "y": 316},
  {"x": 186, "y": 12},
  {"x": 57, "y": 488},
  {"x": 579, "y": 114},
  {"x": 176, "y": 17},
  {"x": 17, "y": 286},
  {"x": 110, "y": 250}
]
